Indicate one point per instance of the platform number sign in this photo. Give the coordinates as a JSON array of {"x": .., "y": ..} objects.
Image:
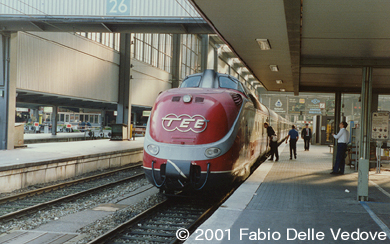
[{"x": 118, "y": 7}]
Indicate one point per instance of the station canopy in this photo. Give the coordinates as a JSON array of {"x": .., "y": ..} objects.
[
  {"x": 120, "y": 16},
  {"x": 316, "y": 45}
]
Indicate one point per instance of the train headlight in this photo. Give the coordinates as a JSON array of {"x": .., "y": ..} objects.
[
  {"x": 212, "y": 152},
  {"x": 187, "y": 98},
  {"x": 153, "y": 149}
]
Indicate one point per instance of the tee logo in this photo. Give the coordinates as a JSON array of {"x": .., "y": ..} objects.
[{"x": 184, "y": 123}]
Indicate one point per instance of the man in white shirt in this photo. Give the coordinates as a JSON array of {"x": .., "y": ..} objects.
[{"x": 342, "y": 141}]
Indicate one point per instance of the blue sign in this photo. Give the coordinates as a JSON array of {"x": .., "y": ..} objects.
[
  {"x": 315, "y": 101},
  {"x": 118, "y": 7},
  {"x": 278, "y": 103}
]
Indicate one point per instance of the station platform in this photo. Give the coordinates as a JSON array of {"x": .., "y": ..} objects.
[
  {"x": 46, "y": 162},
  {"x": 299, "y": 201},
  {"x": 48, "y": 137}
]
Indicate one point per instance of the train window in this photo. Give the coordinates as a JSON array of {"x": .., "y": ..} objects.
[
  {"x": 241, "y": 88},
  {"x": 192, "y": 81},
  {"x": 225, "y": 82}
]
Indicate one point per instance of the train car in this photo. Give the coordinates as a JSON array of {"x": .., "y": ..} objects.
[{"x": 206, "y": 134}]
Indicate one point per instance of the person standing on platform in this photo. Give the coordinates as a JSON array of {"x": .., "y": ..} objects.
[
  {"x": 342, "y": 141},
  {"x": 272, "y": 143},
  {"x": 306, "y": 136},
  {"x": 294, "y": 136}
]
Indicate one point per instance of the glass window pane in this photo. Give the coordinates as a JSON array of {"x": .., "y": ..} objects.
[
  {"x": 183, "y": 71},
  {"x": 162, "y": 43},
  {"x": 155, "y": 56},
  {"x": 225, "y": 82},
  {"x": 184, "y": 39},
  {"x": 168, "y": 64},
  {"x": 191, "y": 81},
  {"x": 168, "y": 45},
  {"x": 184, "y": 53},
  {"x": 189, "y": 57}
]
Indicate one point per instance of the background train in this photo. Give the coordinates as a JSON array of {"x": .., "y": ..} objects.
[{"x": 206, "y": 134}]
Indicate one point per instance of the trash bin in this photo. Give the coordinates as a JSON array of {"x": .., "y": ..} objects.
[
  {"x": 119, "y": 132},
  {"x": 19, "y": 135}
]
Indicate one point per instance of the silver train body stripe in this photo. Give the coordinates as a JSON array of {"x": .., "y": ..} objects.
[
  {"x": 203, "y": 172},
  {"x": 194, "y": 152}
]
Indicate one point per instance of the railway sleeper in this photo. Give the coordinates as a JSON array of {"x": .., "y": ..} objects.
[
  {"x": 157, "y": 228},
  {"x": 150, "y": 234},
  {"x": 163, "y": 223},
  {"x": 143, "y": 239}
]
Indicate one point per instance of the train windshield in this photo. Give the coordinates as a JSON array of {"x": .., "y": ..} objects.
[
  {"x": 192, "y": 81},
  {"x": 226, "y": 82}
]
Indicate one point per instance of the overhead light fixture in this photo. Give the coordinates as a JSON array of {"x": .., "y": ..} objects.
[
  {"x": 282, "y": 89},
  {"x": 279, "y": 81},
  {"x": 274, "y": 68},
  {"x": 264, "y": 44}
]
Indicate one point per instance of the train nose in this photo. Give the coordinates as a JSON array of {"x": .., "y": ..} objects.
[{"x": 178, "y": 174}]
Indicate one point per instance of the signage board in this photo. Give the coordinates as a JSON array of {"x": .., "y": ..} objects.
[
  {"x": 380, "y": 126},
  {"x": 146, "y": 113}
]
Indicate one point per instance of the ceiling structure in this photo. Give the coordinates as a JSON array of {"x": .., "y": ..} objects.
[
  {"x": 318, "y": 45},
  {"x": 30, "y": 99},
  {"x": 171, "y": 25}
]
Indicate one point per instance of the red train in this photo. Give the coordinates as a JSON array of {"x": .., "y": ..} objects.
[{"x": 206, "y": 134}]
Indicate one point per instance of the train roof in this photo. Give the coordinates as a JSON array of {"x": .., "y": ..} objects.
[{"x": 211, "y": 79}]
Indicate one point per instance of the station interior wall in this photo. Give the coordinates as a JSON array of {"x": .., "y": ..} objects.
[
  {"x": 147, "y": 83},
  {"x": 72, "y": 65},
  {"x": 65, "y": 64}
]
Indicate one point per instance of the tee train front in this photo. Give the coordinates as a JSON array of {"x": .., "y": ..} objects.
[{"x": 206, "y": 134}]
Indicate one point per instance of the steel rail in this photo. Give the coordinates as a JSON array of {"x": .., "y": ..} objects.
[
  {"x": 34, "y": 208},
  {"x": 120, "y": 228},
  {"x": 62, "y": 185},
  {"x": 149, "y": 212}
]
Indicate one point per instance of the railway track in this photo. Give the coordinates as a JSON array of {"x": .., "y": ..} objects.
[
  {"x": 25, "y": 203},
  {"x": 160, "y": 223}
]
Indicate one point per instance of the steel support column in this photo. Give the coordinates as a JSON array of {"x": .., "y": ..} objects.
[
  {"x": 177, "y": 44},
  {"x": 103, "y": 118},
  {"x": 204, "y": 52},
  {"x": 54, "y": 117},
  {"x": 124, "y": 101},
  {"x": 337, "y": 120},
  {"x": 365, "y": 136},
  {"x": 216, "y": 59},
  {"x": 7, "y": 95}
]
